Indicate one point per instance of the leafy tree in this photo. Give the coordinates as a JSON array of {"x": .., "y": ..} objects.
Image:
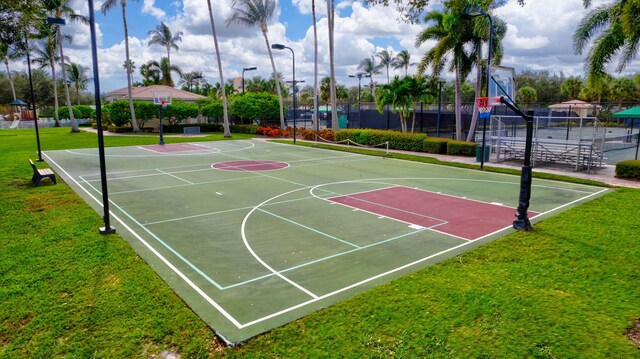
[
  {"x": 106, "y": 6},
  {"x": 547, "y": 85},
  {"x": 179, "y": 111},
  {"x": 386, "y": 59},
  {"x": 398, "y": 95},
  {"x": 162, "y": 36},
  {"x": 571, "y": 88},
  {"x": 527, "y": 95},
  {"x": 260, "y": 107},
  {"x": 615, "y": 28},
  {"x": 623, "y": 89},
  {"x": 258, "y": 12}
]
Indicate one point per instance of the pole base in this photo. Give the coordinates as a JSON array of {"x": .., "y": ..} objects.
[
  {"x": 105, "y": 230},
  {"x": 522, "y": 224}
]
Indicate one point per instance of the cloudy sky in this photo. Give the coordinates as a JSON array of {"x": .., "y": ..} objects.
[{"x": 539, "y": 38}]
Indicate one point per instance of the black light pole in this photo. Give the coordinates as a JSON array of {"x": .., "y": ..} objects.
[
  {"x": 293, "y": 54},
  {"x": 474, "y": 11},
  {"x": 33, "y": 99},
  {"x": 359, "y": 75},
  {"x": 107, "y": 229},
  {"x": 246, "y": 69}
]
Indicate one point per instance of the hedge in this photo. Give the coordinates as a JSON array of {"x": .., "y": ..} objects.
[
  {"x": 397, "y": 140},
  {"x": 204, "y": 127},
  {"x": 250, "y": 129},
  {"x": 435, "y": 145},
  {"x": 119, "y": 129},
  {"x": 628, "y": 169},
  {"x": 461, "y": 148},
  {"x": 63, "y": 112}
]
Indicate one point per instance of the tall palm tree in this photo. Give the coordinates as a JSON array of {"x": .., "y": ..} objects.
[
  {"x": 59, "y": 9},
  {"x": 386, "y": 58},
  {"x": 164, "y": 69},
  {"x": 615, "y": 28},
  {"x": 623, "y": 89},
  {"x": 396, "y": 94},
  {"x": 106, "y": 6},
  {"x": 331, "y": 10},
  {"x": 162, "y": 35},
  {"x": 5, "y": 54},
  {"x": 47, "y": 56},
  {"x": 451, "y": 37},
  {"x": 190, "y": 79},
  {"x": 225, "y": 116},
  {"x": 77, "y": 77},
  {"x": 368, "y": 66},
  {"x": 150, "y": 74},
  {"x": 402, "y": 61},
  {"x": 258, "y": 12},
  {"x": 315, "y": 65}
]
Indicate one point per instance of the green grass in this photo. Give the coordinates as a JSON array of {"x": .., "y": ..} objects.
[{"x": 569, "y": 289}]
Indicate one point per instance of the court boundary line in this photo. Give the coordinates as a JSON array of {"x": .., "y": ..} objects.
[{"x": 240, "y": 326}]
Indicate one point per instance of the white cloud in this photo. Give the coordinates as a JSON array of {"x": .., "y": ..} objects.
[{"x": 149, "y": 7}]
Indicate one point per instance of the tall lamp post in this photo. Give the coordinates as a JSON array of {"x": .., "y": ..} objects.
[
  {"x": 359, "y": 75},
  {"x": 475, "y": 11},
  {"x": 33, "y": 98},
  {"x": 243, "y": 71},
  {"x": 440, "y": 82},
  {"x": 107, "y": 229},
  {"x": 293, "y": 54}
]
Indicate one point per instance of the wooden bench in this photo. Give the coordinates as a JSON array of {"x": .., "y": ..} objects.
[{"x": 40, "y": 174}]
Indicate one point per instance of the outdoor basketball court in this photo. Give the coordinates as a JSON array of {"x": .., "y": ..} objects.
[{"x": 254, "y": 234}]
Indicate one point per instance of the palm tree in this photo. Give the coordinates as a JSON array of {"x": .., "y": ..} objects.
[
  {"x": 5, "y": 55},
  {"x": 451, "y": 37},
  {"x": 150, "y": 74},
  {"x": 332, "y": 73},
  {"x": 571, "y": 88},
  {"x": 315, "y": 65},
  {"x": 164, "y": 69},
  {"x": 225, "y": 123},
  {"x": 258, "y": 12},
  {"x": 47, "y": 56},
  {"x": 77, "y": 76},
  {"x": 402, "y": 61},
  {"x": 106, "y": 6},
  {"x": 616, "y": 24},
  {"x": 60, "y": 8},
  {"x": 623, "y": 89},
  {"x": 369, "y": 67},
  {"x": 190, "y": 79},
  {"x": 386, "y": 58},
  {"x": 396, "y": 94},
  {"x": 420, "y": 91},
  {"x": 162, "y": 35}
]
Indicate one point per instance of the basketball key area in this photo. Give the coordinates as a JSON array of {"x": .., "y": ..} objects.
[{"x": 253, "y": 234}]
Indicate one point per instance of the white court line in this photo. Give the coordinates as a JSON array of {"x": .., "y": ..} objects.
[
  {"x": 309, "y": 228},
  {"x": 182, "y": 185},
  {"x": 154, "y": 251},
  {"x": 174, "y": 176}
]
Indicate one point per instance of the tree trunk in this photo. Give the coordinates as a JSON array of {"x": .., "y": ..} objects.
[
  {"x": 332, "y": 85},
  {"x": 227, "y": 132},
  {"x": 413, "y": 123},
  {"x": 56, "y": 116},
  {"x": 315, "y": 67},
  {"x": 474, "y": 117},
  {"x": 273, "y": 66},
  {"x": 13, "y": 89},
  {"x": 458, "y": 105},
  {"x": 74, "y": 126},
  {"x": 134, "y": 122}
]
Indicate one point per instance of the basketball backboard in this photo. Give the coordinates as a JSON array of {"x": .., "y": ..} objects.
[
  {"x": 502, "y": 82},
  {"x": 162, "y": 98}
]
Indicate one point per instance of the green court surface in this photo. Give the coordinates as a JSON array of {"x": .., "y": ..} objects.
[{"x": 254, "y": 234}]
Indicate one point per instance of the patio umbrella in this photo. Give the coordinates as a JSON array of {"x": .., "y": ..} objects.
[
  {"x": 18, "y": 102},
  {"x": 631, "y": 113}
]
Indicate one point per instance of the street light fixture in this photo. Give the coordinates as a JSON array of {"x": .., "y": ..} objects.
[
  {"x": 293, "y": 54},
  {"x": 107, "y": 229},
  {"x": 359, "y": 75},
  {"x": 246, "y": 69},
  {"x": 475, "y": 11}
]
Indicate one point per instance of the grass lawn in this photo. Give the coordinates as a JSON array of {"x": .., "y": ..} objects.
[{"x": 569, "y": 289}]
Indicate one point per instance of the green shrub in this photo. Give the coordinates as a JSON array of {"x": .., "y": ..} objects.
[
  {"x": 63, "y": 112},
  {"x": 250, "y": 129},
  {"x": 85, "y": 111},
  {"x": 461, "y": 148},
  {"x": 212, "y": 109},
  {"x": 119, "y": 112},
  {"x": 628, "y": 169},
  {"x": 118, "y": 129},
  {"x": 435, "y": 145},
  {"x": 260, "y": 107},
  {"x": 397, "y": 140},
  {"x": 179, "y": 111},
  {"x": 145, "y": 111}
]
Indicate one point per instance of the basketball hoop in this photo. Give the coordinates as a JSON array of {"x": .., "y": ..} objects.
[{"x": 484, "y": 107}]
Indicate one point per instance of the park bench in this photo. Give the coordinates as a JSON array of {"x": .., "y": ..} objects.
[{"x": 40, "y": 174}]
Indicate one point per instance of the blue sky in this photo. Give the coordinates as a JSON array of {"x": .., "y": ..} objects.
[{"x": 539, "y": 38}]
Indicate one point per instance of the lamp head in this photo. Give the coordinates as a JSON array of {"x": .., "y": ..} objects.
[
  {"x": 249, "y": 68},
  {"x": 474, "y": 10},
  {"x": 277, "y": 46}
]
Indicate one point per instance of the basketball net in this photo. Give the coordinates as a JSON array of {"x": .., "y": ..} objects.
[{"x": 484, "y": 107}]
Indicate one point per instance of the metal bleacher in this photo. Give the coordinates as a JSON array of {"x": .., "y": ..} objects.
[{"x": 573, "y": 144}]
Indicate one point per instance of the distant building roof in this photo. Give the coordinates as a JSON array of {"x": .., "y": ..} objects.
[{"x": 146, "y": 93}]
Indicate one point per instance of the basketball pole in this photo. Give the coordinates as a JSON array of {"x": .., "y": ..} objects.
[
  {"x": 162, "y": 107},
  {"x": 522, "y": 222}
]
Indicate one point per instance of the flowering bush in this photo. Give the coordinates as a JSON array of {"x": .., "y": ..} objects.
[{"x": 301, "y": 132}]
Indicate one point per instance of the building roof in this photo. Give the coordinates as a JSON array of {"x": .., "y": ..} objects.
[
  {"x": 574, "y": 104},
  {"x": 147, "y": 93}
]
